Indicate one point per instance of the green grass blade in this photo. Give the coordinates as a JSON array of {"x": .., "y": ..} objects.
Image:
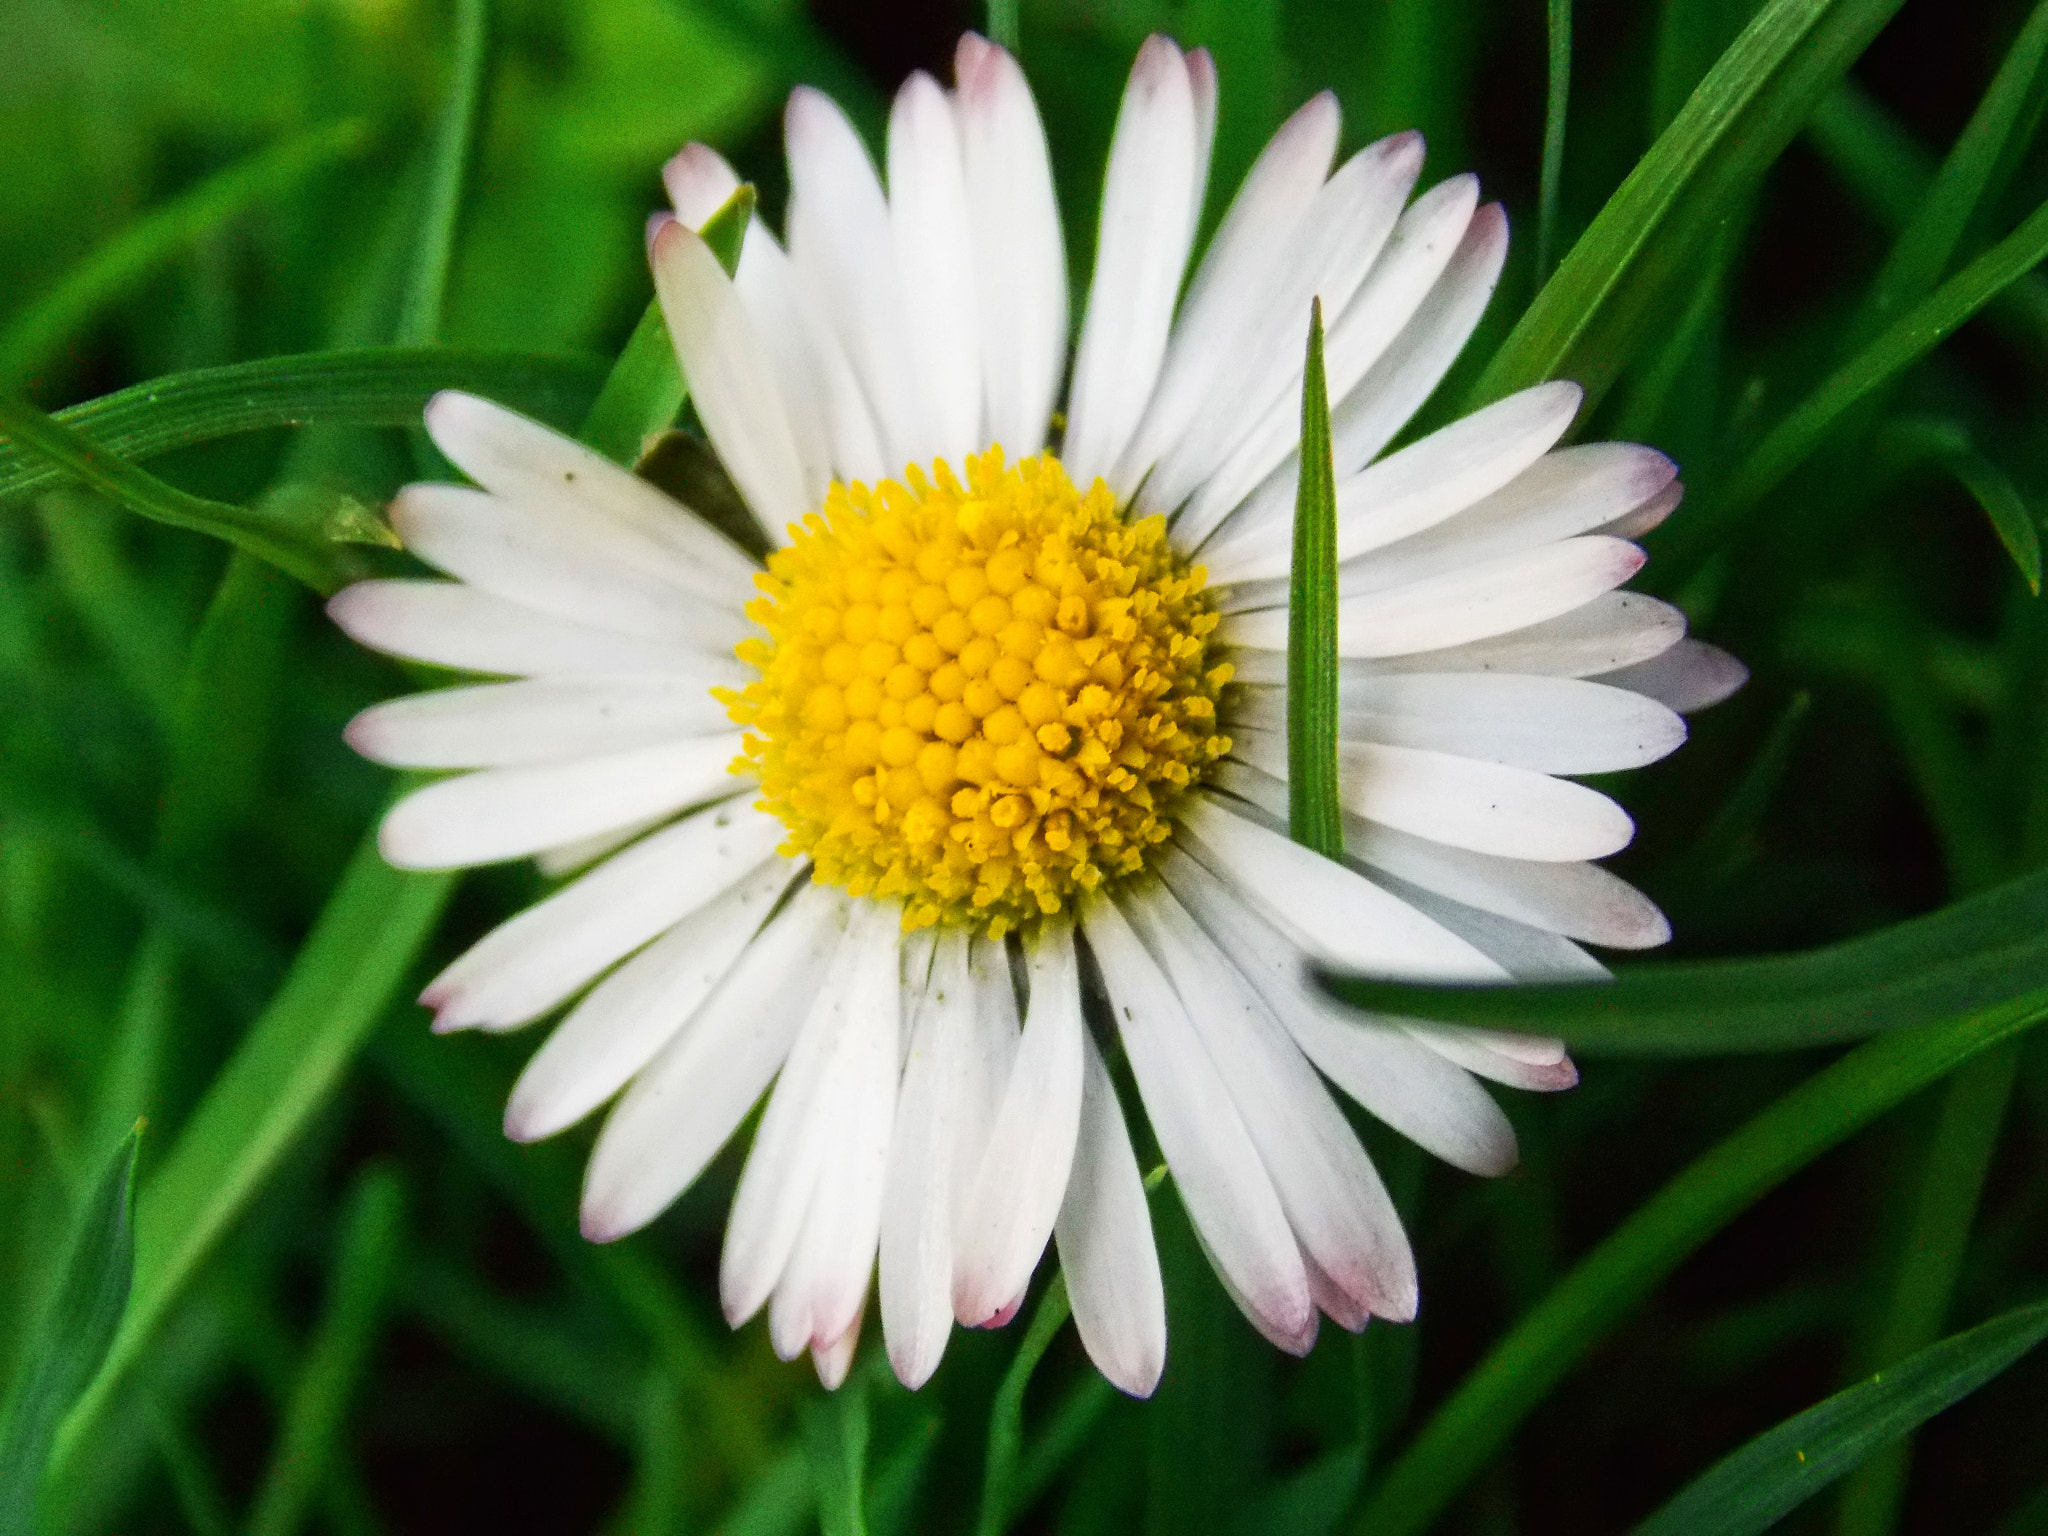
[
  {"x": 300, "y": 549},
  {"x": 644, "y": 391},
  {"x": 1904, "y": 342},
  {"x": 426, "y": 293},
  {"x": 1924, "y": 249},
  {"x": 1983, "y": 952},
  {"x": 835, "y": 1435},
  {"x": 29, "y": 340},
  {"x": 2007, "y": 510},
  {"x": 286, "y": 1068},
  {"x": 337, "y": 1357},
  {"x": 1002, "y": 25},
  {"x": 1520, "y": 1370},
  {"x": 1555, "y": 110},
  {"x": 66, "y": 1349},
  {"x": 1315, "y": 816},
  {"x": 1751, "y": 1490},
  {"x": 999, "y": 1500},
  {"x": 779, "y": 1502},
  {"x": 369, "y": 387},
  {"x": 1614, "y": 288}
]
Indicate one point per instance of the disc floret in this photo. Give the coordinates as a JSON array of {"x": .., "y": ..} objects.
[{"x": 979, "y": 698}]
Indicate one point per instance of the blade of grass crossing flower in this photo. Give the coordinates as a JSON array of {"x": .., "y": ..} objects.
[
  {"x": 1555, "y": 108},
  {"x": 366, "y": 387},
  {"x": 1922, "y": 253},
  {"x": 1315, "y": 817},
  {"x": 999, "y": 1501},
  {"x": 78, "y": 1323},
  {"x": 1751, "y": 1490},
  {"x": 1930, "y": 1260},
  {"x": 285, "y": 1069},
  {"x": 337, "y": 1358},
  {"x": 1522, "y": 1368},
  {"x": 299, "y": 549},
  {"x": 644, "y": 391},
  {"x": 1985, "y": 951},
  {"x": 835, "y": 1436},
  {"x": 1904, "y": 342},
  {"x": 1612, "y": 290},
  {"x": 33, "y": 336},
  {"x": 426, "y": 291}
]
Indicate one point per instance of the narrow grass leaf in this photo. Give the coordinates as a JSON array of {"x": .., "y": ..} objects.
[
  {"x": 2010, "y": 517},
  {"x": 1987, "y": 951},
  {"x": 338, "y": 1357},
  {"x": 835, "y": 1434},
  {"x": 779, "y": 1502},
  {"x": 999, "y": 1501},
  {"x": 66, "y": 1348},
  {"x": 367, "y": 387},
  {"x": 1904, "y": 342},
  {"x": 284, "y": 1071},
  {"x": 1315, "y": 816},
  {"x": 1003, "y": 29},
  {"x": 1555, "y": 109},
  {"x": 901, "y": 1478},
  {"x": 644, "y": 391},
  {"x": 1521, "y": 1369},
  {"x": 1753, "y": 1489},
  {"x": 33, "y": 336},
  {"x": 303, "y": 550},
  {"x": 1614, "y": 289},
  {"x": 426, "y": 291}
]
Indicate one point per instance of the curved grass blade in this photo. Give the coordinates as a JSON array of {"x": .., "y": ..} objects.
[
  {"x": 1520, "y": 1370},
  {"x": 999, "y": 1501},
  {"x": 1556, "y": 104},
  {"x": 644, "y": 392},
  {"x": 1751, "y": 1490},
  {"x": 77, "y": 1325},
  {"x": 340, "y": 1351},
  {"x": 1614, "y": 287},
  {"x": 1315, "y": 816},
  {"x": 835, "y": 1434},
  {"x": 1983, "y": 952},
  {"x": 1908, "y": 339},
  {"x": 30, "y": 339},
  {"x": 283, "y": 1072},
  {"x": 419, "y": 315},
  {"x": 367, "y": 387}
]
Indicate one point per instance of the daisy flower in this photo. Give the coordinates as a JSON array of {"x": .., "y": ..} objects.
[{"x": 1000, "y": 726}]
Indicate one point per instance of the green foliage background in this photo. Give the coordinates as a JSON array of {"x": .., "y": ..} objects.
[{"x": 356, "y": 1308}]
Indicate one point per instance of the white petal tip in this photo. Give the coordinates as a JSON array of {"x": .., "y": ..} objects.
[
  {"x": 655, "y": 222},
  {"x": 599, "y": 1225}
]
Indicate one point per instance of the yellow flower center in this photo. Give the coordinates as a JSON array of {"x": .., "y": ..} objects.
[{"x": 979, "y": 698}]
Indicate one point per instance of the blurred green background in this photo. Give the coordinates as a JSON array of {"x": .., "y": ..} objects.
[{"x": 400, "y": 1330}]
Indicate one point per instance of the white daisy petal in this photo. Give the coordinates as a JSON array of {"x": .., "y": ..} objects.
[
  {"x": 820, "y": 1110},
  {"x": 1417, "y": 488},
  {"x": 450, "y": 624},
  {"x": 916, "y": 1269},
  {"x": 522, "y": 968},
  {"x": 845, "y": 253},
  {"x": 1649, "y": 516},
  {"x": 1612, "y": 630},
  {"x": 1224, "y": 1184},
  {"x": 635, "y": 1011},
  {"x": 699, "y": 182},
  {"x": 689, "y": 1100},
  {"x": 928, "y": 216},
  {"x": 537, "y": 720},
  {"x": 501, "y": 547},
  {"x": 1485, "y": 807},
  {"x": 1546, "y": 724},
  {"x": 507, "y": 813},
  {"x": 618, "y": 515},
  {"x": 1344, "y": 917},
  {"x": 1030, "y": 1149},
  {"x": 1339, "y": 1209},
  {"x": 1492, "y": 597},
  {"x": 832, "y": 1361},
  {"x": 1150, "y": 199},
  {"x": 1397, "y": 1079},
  {"x": 1525, "y": 952},
  {"x": 1333, "y": 246},
  {"x": 1689, "y": 677},
  {"x": 1104, "y": 1234},
  {"x": 1487, "y": 1053},
  {"x": 731, "y": 382},
  {"x": 1019, "y": 255}
]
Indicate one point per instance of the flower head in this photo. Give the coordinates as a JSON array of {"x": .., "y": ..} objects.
[{"x": 1006, "y": 706}]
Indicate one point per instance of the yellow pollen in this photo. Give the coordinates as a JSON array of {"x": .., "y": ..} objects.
[{"x": 979, "y": 698}]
